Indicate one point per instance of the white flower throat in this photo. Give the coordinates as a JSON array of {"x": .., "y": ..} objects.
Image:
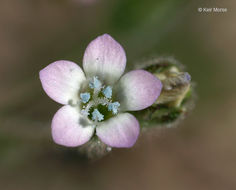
[{"x": 97, "y": 102}]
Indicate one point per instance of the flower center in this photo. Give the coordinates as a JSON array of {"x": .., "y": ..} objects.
[{"x": 97, "y": 101}]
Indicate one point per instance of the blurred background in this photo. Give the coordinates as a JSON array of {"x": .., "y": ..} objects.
[{"x": 199, "y": 154}]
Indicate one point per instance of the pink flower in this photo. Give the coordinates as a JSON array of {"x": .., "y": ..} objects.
[{"x": 95, "y": 101}]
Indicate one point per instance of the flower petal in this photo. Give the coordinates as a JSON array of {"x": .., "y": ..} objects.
[
  {"x": 105, "y": 58},
  {"x": 138, "y": 90},
  {"x": 119, "y": 131},
  {"x": 70, "y": 128},
  {"x": 61, "y": 81}
]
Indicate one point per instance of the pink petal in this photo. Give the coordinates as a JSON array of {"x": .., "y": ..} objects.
[
  {"x": 138, "y": 90},
  {"x": 105, "y": 58},
  {"x": 70, "y": 128},
  {"x": 61, "y": 81},
  {"x": 119, "y": 131}
]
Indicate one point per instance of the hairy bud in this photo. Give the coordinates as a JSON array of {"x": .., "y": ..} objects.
[{"x": 176, "y": 98}]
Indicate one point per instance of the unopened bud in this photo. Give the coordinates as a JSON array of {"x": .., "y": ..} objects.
[{"x": 176, "y": 97}]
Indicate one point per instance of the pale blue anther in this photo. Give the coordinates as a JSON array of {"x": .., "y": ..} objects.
[
  {"x": 107, "y": 92},
  {"x": 96, "y": 115},
  {"x": 95, "y": 83},
  {"x": 84, "y": 112},
  {"x": 113, "y": 107},
  {"x": 85, "y": 97}
]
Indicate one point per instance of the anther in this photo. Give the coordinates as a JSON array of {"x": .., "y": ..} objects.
[
  {"x": 107, "y": 92},
  {"x": 113, "y": 107},
  {"x": 85, "y": 97},
  {"x": 97, "y": 116},
  {"x": 95, "y": 83}
]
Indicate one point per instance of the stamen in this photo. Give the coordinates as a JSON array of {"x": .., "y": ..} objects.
[
  {"x": 107, "y": 92},
  {"x": 103, "y": 101},
  {"x": 85, "y": 97},
  {"x": 113, "y": 107},
  {"x": 95, "y": 83},
  {"x": 97, "y": 116},
  {"x": 94, "y": 100},
  {"x": 84, "y": 112}
]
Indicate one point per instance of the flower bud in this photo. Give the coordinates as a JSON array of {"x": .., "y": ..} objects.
[{"x": 176, "y": 97}]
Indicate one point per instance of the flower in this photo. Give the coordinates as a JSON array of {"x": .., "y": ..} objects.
[{"x": 95, "y": 101}]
